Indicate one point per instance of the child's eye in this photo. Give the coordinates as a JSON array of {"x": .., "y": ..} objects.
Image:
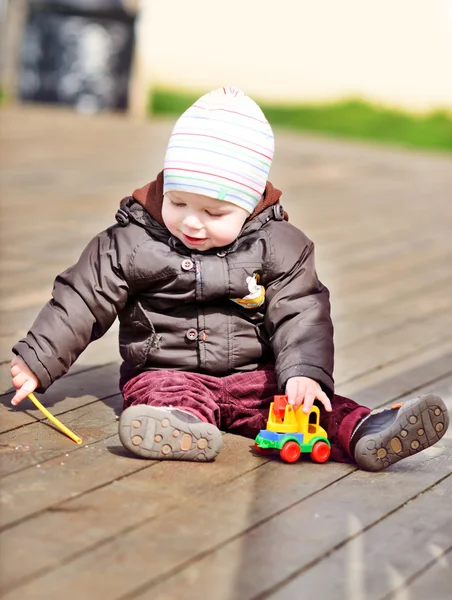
[
  {"x": 178, "y": 204},
  {"x": 211, "y": 214}
]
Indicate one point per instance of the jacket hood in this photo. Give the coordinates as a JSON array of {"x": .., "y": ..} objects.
[{"x": 150, "y": 197}]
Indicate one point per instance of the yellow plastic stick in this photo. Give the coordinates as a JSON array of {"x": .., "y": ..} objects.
[{"x": 54, "y": 420}]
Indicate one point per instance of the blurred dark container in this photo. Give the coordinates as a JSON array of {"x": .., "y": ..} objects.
[{"x": 77, "y": 52}]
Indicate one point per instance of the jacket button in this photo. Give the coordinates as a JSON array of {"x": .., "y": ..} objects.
[
  {"x": 221, "y": 254},
  {"x": 191, "y": 334},
  {"x": 187, "y": 264}
]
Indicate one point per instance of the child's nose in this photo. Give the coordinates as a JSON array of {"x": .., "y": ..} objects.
[{"x": 192, "y": 222}]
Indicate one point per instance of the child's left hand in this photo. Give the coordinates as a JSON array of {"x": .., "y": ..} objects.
[{"x": 303, "y": 390}]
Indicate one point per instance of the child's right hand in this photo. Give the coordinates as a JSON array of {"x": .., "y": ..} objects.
[{"x": 24, "y": 380}]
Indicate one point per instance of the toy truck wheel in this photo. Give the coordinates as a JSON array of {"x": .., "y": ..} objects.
[
  {"x": 320, "y": 452},
  {"x": 263, "y": 451},
  {"x": 290, "y": 452}
]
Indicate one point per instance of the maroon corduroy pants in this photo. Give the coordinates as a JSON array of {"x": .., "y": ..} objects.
[{"x": 237, "y": 403}]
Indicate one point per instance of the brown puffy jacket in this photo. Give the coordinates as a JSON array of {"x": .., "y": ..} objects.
[{"x": 175, "y": 305}]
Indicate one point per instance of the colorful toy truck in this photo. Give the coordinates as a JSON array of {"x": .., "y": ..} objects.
[{"x": 293, "y": 432}]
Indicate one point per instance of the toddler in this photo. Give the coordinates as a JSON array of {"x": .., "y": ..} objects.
[{"x": 219, "y": 304}]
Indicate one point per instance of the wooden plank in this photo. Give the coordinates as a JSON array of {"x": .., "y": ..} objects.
[
  {"x": 18, "y": 292},
  {"x": 405, "y": 376},
  {"x": 406, "y": 310},
  {"x": 345, "y": 238},
  {"x": 387, "y": 300},
  {"x": 432, "y": 378},
  {"x": 36, "y": 489},
  {"x": 348, "y": 227},
  {"x": 373, "y": 564},
  {"x": 354, "y": 278},
  {"x": 65, "y": 394},
  {"x": 17, "y": 322},
  {"x": 38, "y": 442},
  {"x": 65, "y": 530},
  {"x": 435, "y": 582},
  {"x": 267, "y": 507},
  {"x": 201, "y": 521},
  {"x": 440, "y": 387},
  {"x": 370, "y": 254},
  {"x": 258, "y": 559},
  {"x": 345, "y": 271},
  {"x": 374, "y": 353}
]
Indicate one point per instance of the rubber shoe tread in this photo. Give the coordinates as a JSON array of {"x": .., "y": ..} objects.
[
  {"x": 418, "y": 424},
  {"x": 159, "y": 434}
]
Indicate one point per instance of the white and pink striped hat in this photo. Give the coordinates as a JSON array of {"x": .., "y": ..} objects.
[{"x": 221, "y": 147}]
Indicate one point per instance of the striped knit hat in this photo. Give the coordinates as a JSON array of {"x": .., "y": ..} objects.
[{"x": 221, "y": 147}]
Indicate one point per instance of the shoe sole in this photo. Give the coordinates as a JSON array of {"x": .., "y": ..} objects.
[
  {"x": 419, "y": 424},
  {"x": 153, "y": 433}
]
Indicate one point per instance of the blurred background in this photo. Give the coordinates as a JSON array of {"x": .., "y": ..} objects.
[{"x": 378, "y": 70}]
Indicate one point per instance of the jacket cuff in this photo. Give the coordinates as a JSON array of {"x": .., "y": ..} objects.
[
  {"x": 302, "y": 370},
  {"x": 28, "y": 355}
]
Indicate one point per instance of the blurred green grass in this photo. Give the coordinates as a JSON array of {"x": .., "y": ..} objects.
[{"x": 351, "y": 118}]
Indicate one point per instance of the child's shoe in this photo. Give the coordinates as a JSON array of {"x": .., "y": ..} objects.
[
  {"x": 387, "y": 436},
  {"x": 168, "y": 434}
]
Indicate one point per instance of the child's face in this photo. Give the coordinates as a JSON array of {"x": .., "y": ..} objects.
[{"x": 201, "y": 222}]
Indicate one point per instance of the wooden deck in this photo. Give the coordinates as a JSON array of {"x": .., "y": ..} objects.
[{"x": 92, "y": 522}]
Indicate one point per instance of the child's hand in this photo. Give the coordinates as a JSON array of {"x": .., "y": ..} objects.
[
  {"x": 24, "y": 380},
  {"x": 303, "y": 390}
]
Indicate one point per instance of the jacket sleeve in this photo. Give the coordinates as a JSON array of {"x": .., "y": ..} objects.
[
  {"x": 298, "y": 318},
  {"x": 85, "y": 301}
]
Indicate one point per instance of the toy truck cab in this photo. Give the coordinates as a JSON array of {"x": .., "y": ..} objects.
[{"x": 293, "y": 432}]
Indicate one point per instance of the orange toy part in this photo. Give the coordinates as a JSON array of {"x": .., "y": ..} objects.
[{"x": 279, "y": 406}]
